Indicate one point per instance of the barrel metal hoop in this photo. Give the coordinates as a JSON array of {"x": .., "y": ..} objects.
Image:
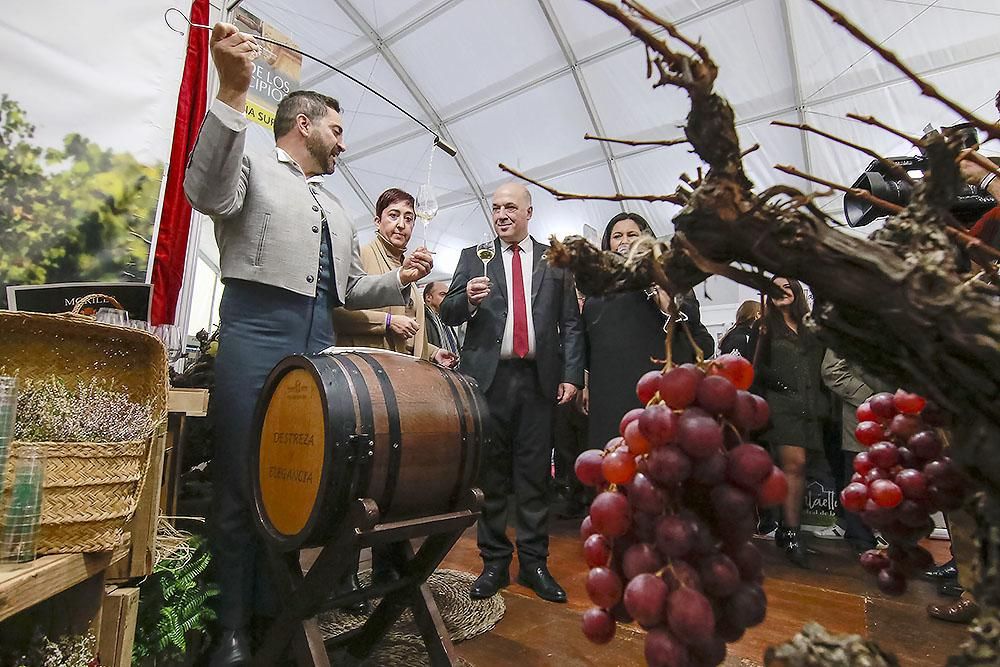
[
  {"x": 363, "y": 442},
  {"x": 460, "y": 484},
  {"x": 478, "y": 421},
  {"x": 395, "y": 432}
]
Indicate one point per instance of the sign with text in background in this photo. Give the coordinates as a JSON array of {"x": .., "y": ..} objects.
[{"x": 275, "y": 73}]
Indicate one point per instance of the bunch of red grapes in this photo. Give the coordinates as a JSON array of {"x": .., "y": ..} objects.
[
  {"x": 902, "y": 478},
  {"x": 668, "y": 538}
]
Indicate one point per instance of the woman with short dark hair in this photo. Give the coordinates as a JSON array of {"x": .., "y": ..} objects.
[{"x": 625, "y": 332}]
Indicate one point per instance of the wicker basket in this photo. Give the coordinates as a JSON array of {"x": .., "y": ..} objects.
[{"x": 91, "y": 488}]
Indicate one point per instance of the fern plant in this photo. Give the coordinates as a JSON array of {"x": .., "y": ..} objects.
[{"x": 173, "y": 601}]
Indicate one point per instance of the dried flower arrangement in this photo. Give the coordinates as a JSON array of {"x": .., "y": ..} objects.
[{"x": 51, "y": 411}]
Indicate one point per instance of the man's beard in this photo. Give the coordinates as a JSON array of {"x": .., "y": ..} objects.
[{"x": 320, "y": 153}]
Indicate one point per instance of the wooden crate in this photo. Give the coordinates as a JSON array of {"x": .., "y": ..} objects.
[{"x": 118, "y": 619}]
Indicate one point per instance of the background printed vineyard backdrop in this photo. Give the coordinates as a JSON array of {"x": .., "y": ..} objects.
[{"x": 86, "y": 116}]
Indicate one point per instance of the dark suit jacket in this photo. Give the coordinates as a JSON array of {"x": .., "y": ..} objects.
[{"x": 559, "y": 344}]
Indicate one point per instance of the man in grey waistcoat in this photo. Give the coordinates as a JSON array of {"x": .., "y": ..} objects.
[{"x": 289, "y": 255}]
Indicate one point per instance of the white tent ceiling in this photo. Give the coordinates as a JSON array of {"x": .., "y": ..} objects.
[{"x": 521, "y": 82}]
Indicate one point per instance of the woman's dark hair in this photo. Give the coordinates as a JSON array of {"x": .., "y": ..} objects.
[
  {"x": 774, "y": 322},
  {"x": 390, "y": 197},
  {"x": 635, "y": 217}
]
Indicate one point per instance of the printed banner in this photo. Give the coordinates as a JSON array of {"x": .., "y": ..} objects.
[{"x": 275, "y": 73}]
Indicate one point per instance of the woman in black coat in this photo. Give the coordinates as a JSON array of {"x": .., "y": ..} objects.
[
  {"x": 625, "y": 332},
  {"x": 788, "y": 374},
  {"x": 741, "y": 339}
]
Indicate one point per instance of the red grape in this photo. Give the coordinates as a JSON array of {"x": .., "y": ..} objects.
[
  {"x": 891, "y": 581},
  {"x": 912, "y": 483},
  {"x": 925, "y": 444},
  {"x": 862, "y": 463},
  {"x": 609, "y": 514},
  {"x": 629, "y": 417},
  {"x": 668, "y": 466},
  {"x": 731, "y": 501},
  {"x": 637, "y": 442},
  {"x": 874, "y": 561},
  {"x": 748, "y": 560},
  {"x": 874, "y": 474},
  {"x": 907, "y": 403},
  {"x": 596, "y": 551},
  {"x": 698, "y": 434},
  {"x": 868, "y": 433},
  {"x": 774, "y": 489},
  {"x": 644, "y": 495},
  {"x": 885, "y": 493},
  {"x": 619, "y": 466},
  {"x": 864, "y": 413},
  {"x": 711, "y": 470},
  {"x": 598, "y": 625},
  {"x": 747, "y": 606},
  {"x": 854, "y": 496},
  {"x": 906, "y": 426},
  {"x": 883, "y": 454},
  {"x": 689, "y": 616},
  {"x": 719, "y": 575},
  {"x": 604, "y": 587},
  {"x": 663, "y": 650},
  {"x": 743, "y": 413},
  {"x": 712, "y": 652},
  {"x": 734, "y": 368},
  {"x": 645, "y": 599},
  {"x": 762, "y": 413},
  {"x": 943, "y": 473},
  {"x": 647, "y": 386},
  {"x": 674, "y": 536},
  {"x": 613, "y": 444},
  {"x": 586, "y": 528},
  {"x": 659, "y": 424},
  {"x": 680, "y": 573},
  {"x": 639, "y": 558},
  {"x": 748, "y": 466},
  {"x": 588, "y": 467},
  {"x": 679, "y": 386},
  {"x": 883, "y": 405},
  {"x": 716, "y": 394}
]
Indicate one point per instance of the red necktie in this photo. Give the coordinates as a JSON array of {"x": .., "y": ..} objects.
[{"x": 520, "y": 309}]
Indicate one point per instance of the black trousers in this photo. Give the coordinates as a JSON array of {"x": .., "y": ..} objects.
[
  {"x": 516, "y": 462},
  {"x": 569, "y": 439}
]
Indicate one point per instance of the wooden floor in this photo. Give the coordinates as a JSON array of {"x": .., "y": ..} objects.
[{"x": 836, "y": 593}]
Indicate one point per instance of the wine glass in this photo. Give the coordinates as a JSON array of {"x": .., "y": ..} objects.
[
  {"x": 427, "y": 206},
  {"x": 118, "y": 318},
  {"x": 172, "y": 339},
  {"x": 486, "y": 250}
]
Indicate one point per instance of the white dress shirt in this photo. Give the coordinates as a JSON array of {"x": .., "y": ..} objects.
[{"x": 527, "y": 264}]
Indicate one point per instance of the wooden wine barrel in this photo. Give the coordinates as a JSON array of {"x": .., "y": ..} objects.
[{"x": 361, "y": 423}]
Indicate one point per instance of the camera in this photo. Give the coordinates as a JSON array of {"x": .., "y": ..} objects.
[{"x": 968, "y": 205}]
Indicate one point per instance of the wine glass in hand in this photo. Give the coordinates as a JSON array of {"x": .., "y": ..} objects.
[
  {"x": 427, "y": 206},
  {"x": 486, "y": 250}
]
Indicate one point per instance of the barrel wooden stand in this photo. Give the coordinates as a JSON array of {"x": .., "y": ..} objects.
[{"x": 304, "y": 596}]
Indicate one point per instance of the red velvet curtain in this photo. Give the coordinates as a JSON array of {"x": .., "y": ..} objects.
[{"x": 175, "y": 218}]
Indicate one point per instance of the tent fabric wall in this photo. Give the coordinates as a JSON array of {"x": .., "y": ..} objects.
[{"x": 521, "y": 82}]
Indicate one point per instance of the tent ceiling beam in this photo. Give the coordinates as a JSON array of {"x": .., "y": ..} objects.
[
  {"x": 402, "y": 31},
  {"x": 581, "y": 85}
]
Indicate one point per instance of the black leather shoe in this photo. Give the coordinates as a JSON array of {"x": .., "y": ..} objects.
[
  {"x": 944, "y": 571},
  {"x": 950, "y": 589},
  {"x": 544, "y": 584},
  {"x": 489, "y": 583},
  {"x": 232, "y": 649},
  {"x": 795, "y": 547}
]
